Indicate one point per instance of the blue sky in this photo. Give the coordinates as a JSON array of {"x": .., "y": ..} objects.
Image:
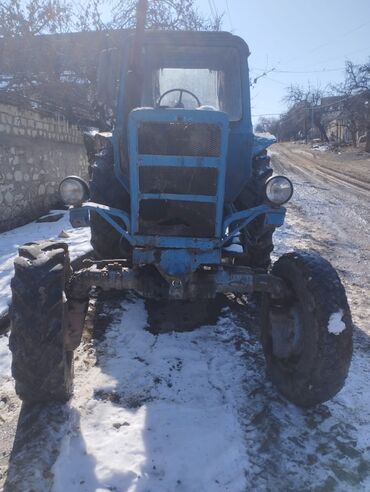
[{"x": 313, "y": 36}]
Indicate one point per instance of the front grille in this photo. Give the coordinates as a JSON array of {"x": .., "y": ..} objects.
[
  {"x": 179, "y": 139},
  {"x": 177, "y": 197},
  {"x": 178, "y": 180},
  {"x": 177, "y": 218}
]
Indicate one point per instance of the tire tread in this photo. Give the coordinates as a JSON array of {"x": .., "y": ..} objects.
[{"x": 40, "y": 366}]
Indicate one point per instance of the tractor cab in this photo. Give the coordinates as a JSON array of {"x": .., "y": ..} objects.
[
  {"x": 193, "y": 77},
  {"x": 191, "y": 71}
]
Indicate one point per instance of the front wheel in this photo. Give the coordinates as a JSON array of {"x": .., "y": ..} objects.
[
  {"x": 307, "y": 340},
  {"x": 42, "y": 366},
  {"x": 106, "y": 190}
]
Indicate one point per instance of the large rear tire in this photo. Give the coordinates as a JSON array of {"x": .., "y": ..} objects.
[
  {"x": 41, "y": 366},
  {"x": 307, "y": 340}
]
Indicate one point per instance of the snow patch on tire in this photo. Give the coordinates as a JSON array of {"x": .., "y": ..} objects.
[{"x": 336, "y": 324}]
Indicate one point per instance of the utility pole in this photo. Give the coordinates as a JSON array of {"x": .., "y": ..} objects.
[
  {"x": 141, "y": 14},
  {"x": 367, "y": 111},
  {"x": 135, "y": 73},
  {"x": 312, "y": 118},
  {"x": 305, "y": 125}
]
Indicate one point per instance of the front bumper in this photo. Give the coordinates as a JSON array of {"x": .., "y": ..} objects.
[{"x": 232, "y": 225}]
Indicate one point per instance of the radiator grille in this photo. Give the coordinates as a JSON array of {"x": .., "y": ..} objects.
[
  {"x": 177, "y": 218},
  {"x": 179, "y": 139},
  {"x": 178, "y": 180},
  {"x": 177, "y": 197}
]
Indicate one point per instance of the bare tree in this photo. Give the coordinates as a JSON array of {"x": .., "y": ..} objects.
[
  {"x": 22, "y": 18},
  {"x": 358, "y": 76},
  {"x": 88, "y": 16},
  {"x": 38, "y": 68},
  {"x": 267, "y": 125},
  {"x": 306, "y": 105},
  {"x": 293, "y": 124},
  {"x": 355, "y": 92},
  {"x": 351, "y": 111},
  {"x": 166, "y": 14}
]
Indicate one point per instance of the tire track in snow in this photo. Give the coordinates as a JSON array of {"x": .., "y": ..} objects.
[
  {"x": 194, "y": 412},
  {"x": 149, "y": 417}
]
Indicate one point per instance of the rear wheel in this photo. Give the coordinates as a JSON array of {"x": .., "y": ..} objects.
[
  {"x": 41, "y": 366},
  {"x": 307, "y": 340}
]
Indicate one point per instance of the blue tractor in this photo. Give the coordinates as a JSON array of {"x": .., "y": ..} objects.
[{"x": 182, "y": 205}]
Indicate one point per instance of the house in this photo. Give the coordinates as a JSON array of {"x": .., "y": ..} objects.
[{"x": 347, "y": 117}]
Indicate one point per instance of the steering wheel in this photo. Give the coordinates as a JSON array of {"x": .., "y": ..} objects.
[{"x": 179, "y": 103}]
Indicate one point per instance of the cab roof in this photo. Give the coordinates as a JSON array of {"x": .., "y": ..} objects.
[{"x": 195, "y": 38}]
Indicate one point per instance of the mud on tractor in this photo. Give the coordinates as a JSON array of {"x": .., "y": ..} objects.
[{"x": 182, "y": 205}]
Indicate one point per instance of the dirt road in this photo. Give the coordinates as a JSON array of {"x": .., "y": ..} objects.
[
  {"x": 348, "y": 167},
  {"x": 193, "y": 412},
  {"x": 331, "y": 209}
]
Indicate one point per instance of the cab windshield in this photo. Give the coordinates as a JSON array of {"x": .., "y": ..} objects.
[{"x": 208, "y": 77}]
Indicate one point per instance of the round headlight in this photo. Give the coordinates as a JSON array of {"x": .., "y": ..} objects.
[
  {"x": 279, "y": 190},
  {"x": 73, "y": 191}
]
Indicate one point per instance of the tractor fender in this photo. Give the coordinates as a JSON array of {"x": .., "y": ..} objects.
[
  {"x": 94, "y": 142},
  {"x": 261, "y": 142}
]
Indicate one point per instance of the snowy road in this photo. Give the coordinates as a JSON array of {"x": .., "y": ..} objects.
[{"x": 193, "y": 411}]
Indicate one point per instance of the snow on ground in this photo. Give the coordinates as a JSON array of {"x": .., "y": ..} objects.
[
  {"x": 194, "y": 412},
  {"x": 5, "y": 360},
  {"x": 158, "y": 413},
  {"x": 78, "y": 241}
]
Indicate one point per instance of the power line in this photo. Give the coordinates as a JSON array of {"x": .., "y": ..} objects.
[
  {"x": 213, "y": 13},
  {"x": 264, "y": 74},
  {"x": 347, "y": 33},
  {"x": 343, "y": 35},
  {"x": 215, "y": 7},
  {"x": 212, "y": 6},
  {"x": 275, "y": 69},
  {"x": 229, "y": 15},
  {"x": 313, "y": 107},
  {"x": 266, "y": 114},
  {"x": 311, "y": 71},
  {"x": 276, "y": 81},
  {"x": 344, "y": 56}
]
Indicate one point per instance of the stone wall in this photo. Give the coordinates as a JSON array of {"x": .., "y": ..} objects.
[{"x": 36, "y": 152}]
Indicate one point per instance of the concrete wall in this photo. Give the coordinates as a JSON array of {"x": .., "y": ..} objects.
[{"x": 36, "y": 152}]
